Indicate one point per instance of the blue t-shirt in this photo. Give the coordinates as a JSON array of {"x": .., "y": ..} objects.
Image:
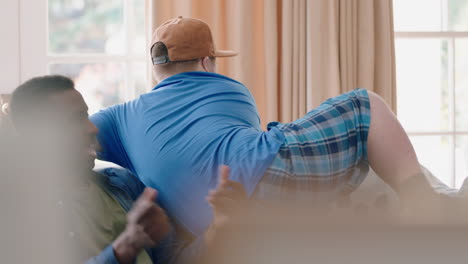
[{"x": 175, "y": 137}]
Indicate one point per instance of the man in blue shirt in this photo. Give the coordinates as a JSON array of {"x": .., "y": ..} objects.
[{"x": 175, "y": 136}]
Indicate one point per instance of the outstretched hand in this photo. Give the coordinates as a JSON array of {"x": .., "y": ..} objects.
[
  {"x": 228, "y": 200},
  {"x": 228, "y": 197},
  {"x": 147, "y": 224}
]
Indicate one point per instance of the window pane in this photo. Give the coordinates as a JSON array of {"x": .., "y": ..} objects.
[
  {"x": 422, "y": 84},
  {"x": 139, "y": 38},
  {"x": 101, "y": 85},
  {"x": 435, "y": 152},
  {"x": 461, "y": 83},
  {"x": 140, "y": 78},
  {"x": 86, "y": 26},
  {"x": 417, "y": 15},
  {"x": 458, "y": 15},
  {"x": 461, "y": 152}
]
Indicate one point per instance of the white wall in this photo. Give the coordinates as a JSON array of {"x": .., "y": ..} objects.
[{"x": 9, "y": 46}]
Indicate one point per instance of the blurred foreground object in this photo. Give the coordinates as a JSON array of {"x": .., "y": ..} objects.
[{"x": 291, "y": 236}]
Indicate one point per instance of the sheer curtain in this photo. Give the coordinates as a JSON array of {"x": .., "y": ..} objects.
[{"x": 294, "y": 54}]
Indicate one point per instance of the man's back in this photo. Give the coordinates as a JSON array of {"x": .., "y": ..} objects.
[{"x": 175, "y": 137}]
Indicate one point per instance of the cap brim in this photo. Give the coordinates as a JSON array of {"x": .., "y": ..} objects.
[{"x": 225, "y": 53}]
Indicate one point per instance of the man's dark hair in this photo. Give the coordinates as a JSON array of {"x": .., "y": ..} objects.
[
  {"x": 31, "y": 95},
  {"x": 159, "y": 50}
]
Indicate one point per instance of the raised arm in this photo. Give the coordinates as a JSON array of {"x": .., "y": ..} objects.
[
  {"x": 109, "y": 136},
  {"x": 147, "y": 226}
]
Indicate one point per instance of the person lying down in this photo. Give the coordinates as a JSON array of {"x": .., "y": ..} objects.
[{"x": 175, "y": 137}]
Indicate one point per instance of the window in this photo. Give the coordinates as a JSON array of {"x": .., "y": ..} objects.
[
  {"x": 101, "y": 45},
  {"x": 432, "y": 83}
]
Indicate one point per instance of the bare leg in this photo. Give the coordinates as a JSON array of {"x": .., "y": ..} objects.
[
  {"x": 392, "y": 157},
  {"x": 391, "y": 154}
]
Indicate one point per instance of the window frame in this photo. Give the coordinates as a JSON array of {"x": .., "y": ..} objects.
[
  {"x": 36, "y": 59},
  {"x": 450, "y": 37}
]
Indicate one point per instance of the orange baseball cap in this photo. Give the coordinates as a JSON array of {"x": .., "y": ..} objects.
[{"x": 186, "y": 39}]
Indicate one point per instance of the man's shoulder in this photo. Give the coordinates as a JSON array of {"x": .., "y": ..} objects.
[{"x": 116, "y": 110}]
